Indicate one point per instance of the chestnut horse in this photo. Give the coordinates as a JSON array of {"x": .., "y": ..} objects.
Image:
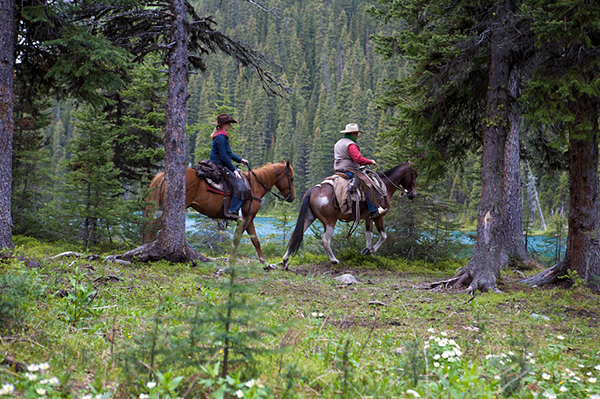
[
  {"x": 319, "y": 203},
  {"x": 210, "y": 203}
]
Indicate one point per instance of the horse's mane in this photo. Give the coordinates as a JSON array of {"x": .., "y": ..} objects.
[
  {"x": 391, "y": 171},
  {"x": 265, "y": 172}
]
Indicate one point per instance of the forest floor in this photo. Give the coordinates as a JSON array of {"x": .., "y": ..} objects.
[{"x": 107, "y": 330}]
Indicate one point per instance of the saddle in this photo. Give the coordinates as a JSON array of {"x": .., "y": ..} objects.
[
  {"x": 213, "y": 176},
  {"x": 348, "y": 199}
]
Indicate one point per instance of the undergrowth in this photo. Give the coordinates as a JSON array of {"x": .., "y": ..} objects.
[{"x": 78, "y": 328}]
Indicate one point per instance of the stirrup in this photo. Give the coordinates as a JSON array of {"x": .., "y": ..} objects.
[{"x": 232, "y": 216}]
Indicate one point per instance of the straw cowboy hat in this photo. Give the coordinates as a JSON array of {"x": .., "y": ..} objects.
[
  {"x": 351, "y": 128},
  {"x": 223, "y": 119}
]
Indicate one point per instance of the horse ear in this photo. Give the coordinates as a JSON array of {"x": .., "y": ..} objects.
[
  {"x": 287, "y": 164},
  {"x": 282, "y": 161}
]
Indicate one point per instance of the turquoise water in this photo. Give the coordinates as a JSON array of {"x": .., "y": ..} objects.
[{"x": 268, "y": 229}]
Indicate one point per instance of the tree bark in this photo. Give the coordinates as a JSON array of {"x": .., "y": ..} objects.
[
  {"x": 171, "y": 244},
  {"x": 512, "y": 206},
  {"x": 583, "y": 246},
  {"x": 489, "y": 256},
  {"x": 7, "y": 123}
]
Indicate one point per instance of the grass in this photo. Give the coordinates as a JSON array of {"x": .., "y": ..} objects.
[{"x": 92, "y": 329}]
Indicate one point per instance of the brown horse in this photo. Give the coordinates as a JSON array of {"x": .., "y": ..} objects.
[
  {"x": 319, "y": 203},
  {"x": 205, "y": 200}
]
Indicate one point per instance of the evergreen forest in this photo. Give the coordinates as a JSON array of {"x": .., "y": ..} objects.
[{"x": 81, "y": 172}]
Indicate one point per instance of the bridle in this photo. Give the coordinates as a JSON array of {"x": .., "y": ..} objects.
[
  {"x": 396, "y": 186},
  {"x": 289, "y": 179}
]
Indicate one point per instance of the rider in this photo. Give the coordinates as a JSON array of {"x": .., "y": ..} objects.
[
  {"x": 221, "y": 155},
  {"x": 347, "y": 159}
]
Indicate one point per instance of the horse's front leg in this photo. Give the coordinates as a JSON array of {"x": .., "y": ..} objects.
[
  {"x": 326, "y": 242},
  {"x": 251, "y": 230},
  {"x": 369, "y": 237},
  {"x": 239, "y": 230},
  {"x": 382, "y": 234}
]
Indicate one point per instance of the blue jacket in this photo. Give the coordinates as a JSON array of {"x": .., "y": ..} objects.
[{"x": 220, "y": 152}]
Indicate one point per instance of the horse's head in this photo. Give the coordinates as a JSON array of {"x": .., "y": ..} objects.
[
  {"x": 285, "y": 181},
  {"x": 402, "y": 175},
  {"x": 411, "y": 183}
]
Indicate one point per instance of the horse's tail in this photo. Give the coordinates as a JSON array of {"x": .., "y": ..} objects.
[
  {"x": 298, "y": 234},
  {"x": 153, "y": 204}
]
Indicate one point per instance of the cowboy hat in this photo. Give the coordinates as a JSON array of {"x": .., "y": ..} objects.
[
  {"x": 351, "y": 128},
  {"x": 223, "y": 119}
]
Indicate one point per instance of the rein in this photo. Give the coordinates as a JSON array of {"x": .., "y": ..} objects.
[
  {"x": 271, "y": 191},
  {"x": 392, "y": 183}
]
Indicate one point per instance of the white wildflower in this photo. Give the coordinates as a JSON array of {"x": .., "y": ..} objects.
[
  {"x": 442, "y": 342},
  {"x": 314, "y": 314},
  {"x": 549, "y": 395},
  {"x": 31, "y": 376},
  {"x": 321, "y": 314},
  {"x": 437, "y": 356},
  {"x": 414, "y": 393},
  {"x": 581, "y": 366},
  {"x": 86, "y": 397},
  {"x": 592, "y": 380},
  {"x": 250, "y": 383},
  {"x": 595, "y": 396},
  {"x": 144, "y": 396},
  {"x": 457, "y": 352},
  {"x": 44, "y": 366},
  {"x": 239, "y": 393},
  {"x": 597, "y": 367},
  {"x": 44, "y": 382},
  {"x": 443, "y": 333},
  {"x": 33, "y": 367},
  {"x": 41, "y": 391},
  {"x": 151, "y": 384},
  {"x": 560, "y": 337},
  {"x": 436, "y": 364},
  {"x": 53, "y": 381},
  {"x": 532, "y": 361},
  {"x": 431, "y": 330},
  {"x": 563, "y": 389},
  {"x": 7, "y": 389},
  {"x": 546, "y": 376},
  {"x": 497, "y": 377}
]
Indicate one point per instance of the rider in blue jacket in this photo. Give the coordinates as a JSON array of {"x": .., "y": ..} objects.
[{"x": 221, "y": 155}]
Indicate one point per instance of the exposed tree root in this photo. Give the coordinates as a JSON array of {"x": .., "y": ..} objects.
[
  {"x": 152, "y": 252},
  {"x": 548, "y": 276}
]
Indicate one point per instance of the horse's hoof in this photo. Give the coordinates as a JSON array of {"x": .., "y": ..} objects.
[
  {"x": 335, "y": 262},
  {"x": 272, "y": 266},
  {"x": 366, "y": 251}
]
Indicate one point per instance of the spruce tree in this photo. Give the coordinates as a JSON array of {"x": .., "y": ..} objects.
[{"x": 89, "y": 200}]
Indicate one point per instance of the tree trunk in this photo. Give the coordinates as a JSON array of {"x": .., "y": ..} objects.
[
  {"x": 512, "y": 206},
  {"x": 171, "y": 244},
  {"x": 7, "y": 123},
  {"x": 489, "y": 256},
  {"x": 583, "y": 246}
]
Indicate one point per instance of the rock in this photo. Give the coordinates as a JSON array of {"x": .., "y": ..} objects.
[
  {"x": 539, "y": 316},
  {"x": 347, "y": 279}
]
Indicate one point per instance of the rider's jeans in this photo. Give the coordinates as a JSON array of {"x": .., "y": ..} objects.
[{"x": 370, "y": 206}]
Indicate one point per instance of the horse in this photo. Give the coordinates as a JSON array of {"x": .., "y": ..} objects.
[
  {"x": 208, "y": 201},
  {"x": 319, "y": 203}
]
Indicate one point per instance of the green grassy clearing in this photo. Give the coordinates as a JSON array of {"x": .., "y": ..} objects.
[{"x": 108, "y": 330}]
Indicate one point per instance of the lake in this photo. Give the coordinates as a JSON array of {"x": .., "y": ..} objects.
[{"x": 268, "y": 229}]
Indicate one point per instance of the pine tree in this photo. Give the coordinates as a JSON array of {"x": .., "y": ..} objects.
[{"x": 89, "y": 201}]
